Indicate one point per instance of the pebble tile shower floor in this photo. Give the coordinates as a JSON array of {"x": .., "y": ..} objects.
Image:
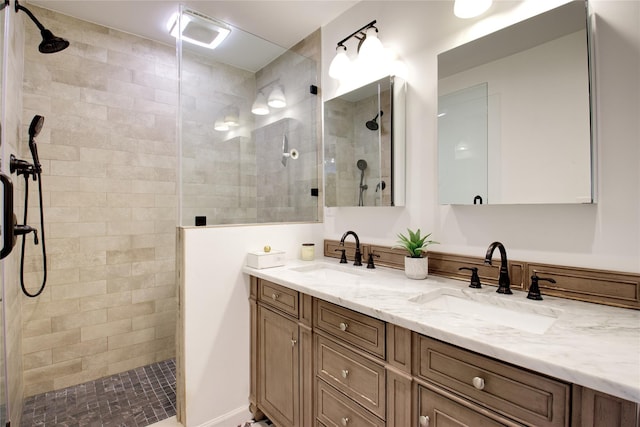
[{"x": 135, "y": 398}]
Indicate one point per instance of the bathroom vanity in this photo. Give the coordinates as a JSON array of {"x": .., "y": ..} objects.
[{"x": 336, "y": 345}]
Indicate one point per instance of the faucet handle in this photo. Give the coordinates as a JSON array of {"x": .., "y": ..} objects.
[
  {"x": 370, "y": 261},
  {"x": 475, "y": 279},
  {"x": 343, "y": 257},
  {"x": 534, "y": 289}
]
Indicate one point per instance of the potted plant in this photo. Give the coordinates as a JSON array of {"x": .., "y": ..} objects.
[{"x": 416, "y": 264}]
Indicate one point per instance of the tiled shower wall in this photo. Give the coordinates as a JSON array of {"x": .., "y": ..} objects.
[{"x": 109, "y": 161}]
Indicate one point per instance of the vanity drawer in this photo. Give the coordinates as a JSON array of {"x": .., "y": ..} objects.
[
  {"x": 530, "y": 398},
  {"x": 361, "y": 331},
  {"x": 333, "y": 410},
  {"x": 280, "y": 297},
  {"x": 356, "y": 376}
]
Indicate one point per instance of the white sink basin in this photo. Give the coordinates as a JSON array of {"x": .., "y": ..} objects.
[
  {"x": 503, "y": 310},
  {"x": 329, "y": 272}
]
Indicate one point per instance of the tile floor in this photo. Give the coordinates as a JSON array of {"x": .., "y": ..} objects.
[{"x": 136, "y": 398}]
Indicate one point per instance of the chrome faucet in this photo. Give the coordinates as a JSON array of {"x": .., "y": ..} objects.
[
  {"x": 358, "y": 258},
  {"x": 504, "y": 282}
]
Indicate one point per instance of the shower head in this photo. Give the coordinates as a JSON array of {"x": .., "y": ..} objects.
[
  {"x": 50, "y": 43},
  {"x": 362, "y": 164},
  {"x": 373, "y": 124},
  {"x": 35, "y": 127}
]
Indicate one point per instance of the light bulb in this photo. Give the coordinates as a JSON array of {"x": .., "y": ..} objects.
[
  {"x": 220, "y": 126},
  {"x": 371, "y": 49},
  {"x": 260, "y": 107},
  {"x": 276, "y": 98},
  {"x": 340, "y": 65}
]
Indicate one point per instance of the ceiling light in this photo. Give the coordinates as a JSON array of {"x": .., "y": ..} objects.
[
  {"x": 470, "y": 8},
  {"x": 276, "y": 98},
  {"x": 198, "y": 29},
  {"x": 259, "y": 106}
]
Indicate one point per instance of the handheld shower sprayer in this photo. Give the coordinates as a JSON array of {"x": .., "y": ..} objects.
[
  {"x": 10, "y": 226},
  {"x": 362, "y": 165},
  {"x": 34, "y": 130}
]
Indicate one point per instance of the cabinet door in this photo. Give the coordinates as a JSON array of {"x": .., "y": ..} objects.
[
  {"x": 436, "y": 410},
  {"x": 595, "y": 409},
  {"x": 278, "y": 390}
]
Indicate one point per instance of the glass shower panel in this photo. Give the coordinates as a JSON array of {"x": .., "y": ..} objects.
[
  {"x": 238, "y": 167},
  {"x": 3, "y": 152}
]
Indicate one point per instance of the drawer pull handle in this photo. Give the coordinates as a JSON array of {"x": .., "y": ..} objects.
[
  {"x": 294, "y": 342},
  {"x": 424, "y": 421},
  {"x": 345, "y": 373},
  {"x": 343, "y": 326},
  {"x": 344, "y": 421},
  {"x": 478, "y": 383},
  {"x": 275, "y": 296}
]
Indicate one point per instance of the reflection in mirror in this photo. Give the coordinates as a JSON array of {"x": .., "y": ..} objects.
[
  {"x": 514, "y": 114},
  {"x": 364, "y": 143}
]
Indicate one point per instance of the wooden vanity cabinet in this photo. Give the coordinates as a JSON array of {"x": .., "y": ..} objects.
[
  {"x": 281, "y": 355},
  {"x": 314, "y": 363},
  {"x": 595, "y": 409}
]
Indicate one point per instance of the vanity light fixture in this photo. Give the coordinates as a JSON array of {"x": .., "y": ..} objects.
[
  {"x": 231, "y": 118},
  {"x": 276, "y": 98},
  {"x": 220, "y": 126},
  {"x": 198, "y": 29},
  {"x": 370, "y": 50},
  {"x": 260, "y": 107},
  {"x": 470, "y": 8}
]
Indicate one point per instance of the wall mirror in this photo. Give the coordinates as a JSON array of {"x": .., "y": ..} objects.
[
  {"x": 364, "y": 145},
  {"x": 514, "y": 116}
]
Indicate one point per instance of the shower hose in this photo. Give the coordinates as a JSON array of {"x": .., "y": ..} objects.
[{"x": 35, "y": 239}]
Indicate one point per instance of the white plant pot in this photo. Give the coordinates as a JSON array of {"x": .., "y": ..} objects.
[{"x": 416, "y": 268}]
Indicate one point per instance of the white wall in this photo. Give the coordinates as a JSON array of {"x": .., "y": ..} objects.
[
  {"x": 216, "y": 307},
  {"x": 606, "y": 235}
]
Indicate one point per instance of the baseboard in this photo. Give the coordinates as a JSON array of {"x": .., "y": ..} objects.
[{"x": 234, "y": 418}]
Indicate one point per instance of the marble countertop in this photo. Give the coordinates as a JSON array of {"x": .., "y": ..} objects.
[{"x": 591, "y": 345}]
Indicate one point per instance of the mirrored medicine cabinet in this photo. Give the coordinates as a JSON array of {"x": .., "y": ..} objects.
[
  {"x": 364, "y": 145},
  {"x": 514, "y": 116}
]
